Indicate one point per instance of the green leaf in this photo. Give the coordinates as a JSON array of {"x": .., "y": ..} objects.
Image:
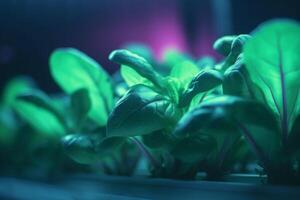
[
  {"x": 15, "y": 87},
  {"x": 141, "y": 111},
  {"x": 173, "y": 89},
  {"x": 140, "y": 49},
  {"x": 89, "y": 149},
  {"x": 81, "y": 104},
  {"x": 273, "y": 62},
  {"x": 229, "y": 115},
  {"x": 223, "y": 45},
  {"x": 199, "y": 98},
  {"x": 223, "y": 111},
  {"x": 194, "y": 149},
  {"x": 139, "y": 64},
  {"x": 235, "y": 51},
  {"x": 73, "y": 70},
  {"x": 185, "y": 72},
  {"x": 203, "y": 82},
  {"x": 37, "y": 110},
  {"x": 132, "y": 78},
  {"x": 237, "y": 46},
  {"x": 201, "y": 119},
  {"x": 235, "y": 80},
  {"x": 81, "y": 148}
]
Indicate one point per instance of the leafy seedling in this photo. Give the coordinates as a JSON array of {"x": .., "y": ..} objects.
[
  {"x": 224, "y": 118},
  {"x": 265, "y": 75},
  {"x": 154, "y": 103},
  {"x": 272, "y": 62},
  {"x": 91, "y": 92},
  {"x": 73, "y": 70}
]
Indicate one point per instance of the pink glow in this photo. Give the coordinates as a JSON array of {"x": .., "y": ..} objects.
[
  {"x": 166, "y": 33},
  {"x": 159, "y": 31},
  {"x": 205, "y": 40},
  {"x": 159, "y": 28}
]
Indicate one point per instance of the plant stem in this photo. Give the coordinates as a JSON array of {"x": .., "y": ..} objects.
[
  {"x": 223, "y": 152},
  {"x": 257, "y": 150},
  {"x": 145, "y": 151}
]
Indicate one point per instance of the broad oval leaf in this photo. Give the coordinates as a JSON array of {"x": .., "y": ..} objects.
[
  {"x": 235, "y": 51},
  {"x": 81, "y": 104},
  {"x": 73, "y": 70},
  {"x": 139, "y": 64},
  {"x": 273, "y": 62},
  {"x": 80, "y": 148},
  {"x": 185, "y": 72},
  {"x": 173, "y": 89},
  {"x": 238, "y": 45},
  {"x": 230, "y": 115},
  {"x": 235, "y": 80},
  {"x": 141, "y": 111},
  {"x": 37, "y": 110},
  {"x": 202, "y": 82},
  {"x": 201, "y": 120},
  {"x": 16, "y": 86},
  {"x": 223, "y": 44},
  {"x": 89, "y": 149},
  {"x": 131, "y": 77},
  {"x": 140, "y": 49}
]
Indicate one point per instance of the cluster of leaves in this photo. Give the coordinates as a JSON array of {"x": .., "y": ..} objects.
[
  {"x": 152, "y": 107},
  {"x": 29, "y": 144},
  {"x": 184, "y": 115},
  {"x": 92, "y": 98},
  {"x": 261, "y": 98},
  {"x": 201, "y": 118},
  {"x": 72, "y": 122}
]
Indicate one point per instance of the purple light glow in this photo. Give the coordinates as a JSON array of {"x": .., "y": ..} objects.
[
  {"x": 160, "y": 28},
  {"x": 165, "y": 33},
  {"x": 204, "y": 42},
  {"x": 159, "y": 32}
]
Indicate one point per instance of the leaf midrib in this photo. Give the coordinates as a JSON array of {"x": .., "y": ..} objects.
[
  {"x": 138, "y": 109},
  {"x": 284, "y": 117}
]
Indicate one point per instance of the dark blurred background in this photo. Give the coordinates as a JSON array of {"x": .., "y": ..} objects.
[{"x": 31, "y": 29}]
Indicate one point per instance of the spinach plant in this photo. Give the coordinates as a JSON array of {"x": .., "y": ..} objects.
[
  {"x": 231, "y": 147},
  {"x": 273, "y": 64},
  {"x": 266, "y": 112},
  {"x": 92, "y": 98},
  {"x": 29, "y": 144},
  {"x": 151, "y": 108},
  {"x": 10, "y": 127}
]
